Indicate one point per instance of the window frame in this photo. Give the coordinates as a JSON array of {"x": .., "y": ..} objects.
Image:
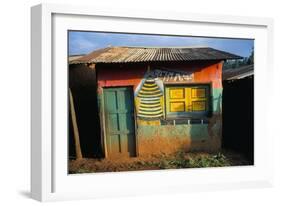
[{"x": 191, "y": 114}]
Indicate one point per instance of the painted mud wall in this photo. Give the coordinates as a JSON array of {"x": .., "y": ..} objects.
[{"x": 155, "y": 132}]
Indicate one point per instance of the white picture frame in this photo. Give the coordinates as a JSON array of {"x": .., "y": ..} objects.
[{"x": 49, "y": 178}]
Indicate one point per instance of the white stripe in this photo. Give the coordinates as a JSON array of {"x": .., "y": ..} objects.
[
  {"x": 157, "y": 109},
  {"x": 150, "y": 105},
  {"x": 149, "y": 98},
  {"x": 149, "y": 95},
  {"x": 151, "y": 102},
  {"x": 150, "y": 116}
]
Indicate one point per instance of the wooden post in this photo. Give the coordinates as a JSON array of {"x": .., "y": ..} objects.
[{"x": 75, "y": 127}]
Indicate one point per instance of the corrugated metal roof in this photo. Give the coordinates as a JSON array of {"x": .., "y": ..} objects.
[
  {"x": 238, "y": 73},
  {"x": 74, "y": 57},
  {"x": 149, "y": 54}
]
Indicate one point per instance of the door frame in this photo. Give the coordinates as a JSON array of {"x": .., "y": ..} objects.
[{"x": 103, "y": 122}]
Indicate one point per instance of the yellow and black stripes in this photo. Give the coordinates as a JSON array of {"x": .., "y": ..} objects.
[{"x": 150, "y": 103}]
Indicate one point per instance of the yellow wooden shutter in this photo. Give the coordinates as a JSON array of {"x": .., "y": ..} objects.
[
  {"x": 186, "y": 99},
  {"x": 176, "y": 100},
  {"x": 199, "y": 100}
]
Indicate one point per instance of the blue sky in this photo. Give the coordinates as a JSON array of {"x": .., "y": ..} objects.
[{"x": 85, "y": 42}]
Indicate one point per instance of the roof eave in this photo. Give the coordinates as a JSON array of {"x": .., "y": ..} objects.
[{"x": 129, "y": 62}]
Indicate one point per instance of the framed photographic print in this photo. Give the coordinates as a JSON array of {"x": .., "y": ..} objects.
[{"x": 137, "y": 102}]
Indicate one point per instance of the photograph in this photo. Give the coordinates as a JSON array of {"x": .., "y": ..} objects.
[{"x": 139, "y": 102}]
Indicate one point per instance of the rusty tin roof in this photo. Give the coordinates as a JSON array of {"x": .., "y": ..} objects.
[
  {"x": 153, "y": 54},
  {"x": 74, "y": 57},
  {"x": 238, "y": 73}
]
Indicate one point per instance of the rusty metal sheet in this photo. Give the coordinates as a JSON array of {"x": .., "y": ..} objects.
[
  {"x": 148, "y": 54},
  {"x": 238, "y": 73}
]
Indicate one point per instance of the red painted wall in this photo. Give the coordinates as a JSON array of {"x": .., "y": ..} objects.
[{"x": 132, "y": 74}]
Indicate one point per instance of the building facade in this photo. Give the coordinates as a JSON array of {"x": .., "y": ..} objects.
[{"x": 158, "y": 101}]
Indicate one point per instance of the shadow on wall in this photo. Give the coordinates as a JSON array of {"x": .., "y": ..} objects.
[
  {"x": 82, "y": 82},
  {"x": 206, "y": 135},
  {"x": 219, "y": 104}
]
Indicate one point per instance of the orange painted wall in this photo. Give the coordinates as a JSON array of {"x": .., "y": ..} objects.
[
  {"x": 132, "y": 74},
  {"x": 212, "y": 73}
]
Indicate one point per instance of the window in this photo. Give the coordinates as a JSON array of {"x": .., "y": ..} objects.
[{"x": 187, "y": 100}]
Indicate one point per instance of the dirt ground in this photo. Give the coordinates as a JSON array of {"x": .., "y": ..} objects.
[{"x": 179, "y": 160}]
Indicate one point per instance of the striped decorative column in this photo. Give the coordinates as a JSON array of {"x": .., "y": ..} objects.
[{"x": 150, "y": 105}]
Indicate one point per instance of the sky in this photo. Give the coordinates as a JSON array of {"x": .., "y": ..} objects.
[{"x": 81, "y": 42}]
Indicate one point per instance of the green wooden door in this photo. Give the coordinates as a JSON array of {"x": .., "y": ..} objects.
[{"x": 119, "y": 121}]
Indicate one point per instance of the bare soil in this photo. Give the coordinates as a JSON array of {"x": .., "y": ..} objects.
[{"x": 179, "y": 160}]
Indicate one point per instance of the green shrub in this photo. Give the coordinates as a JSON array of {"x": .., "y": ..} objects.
[
  {"x": 193, "y": 161},
  {"x": 83, "y": 170},
  {"x": 218, "y": 160}
]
